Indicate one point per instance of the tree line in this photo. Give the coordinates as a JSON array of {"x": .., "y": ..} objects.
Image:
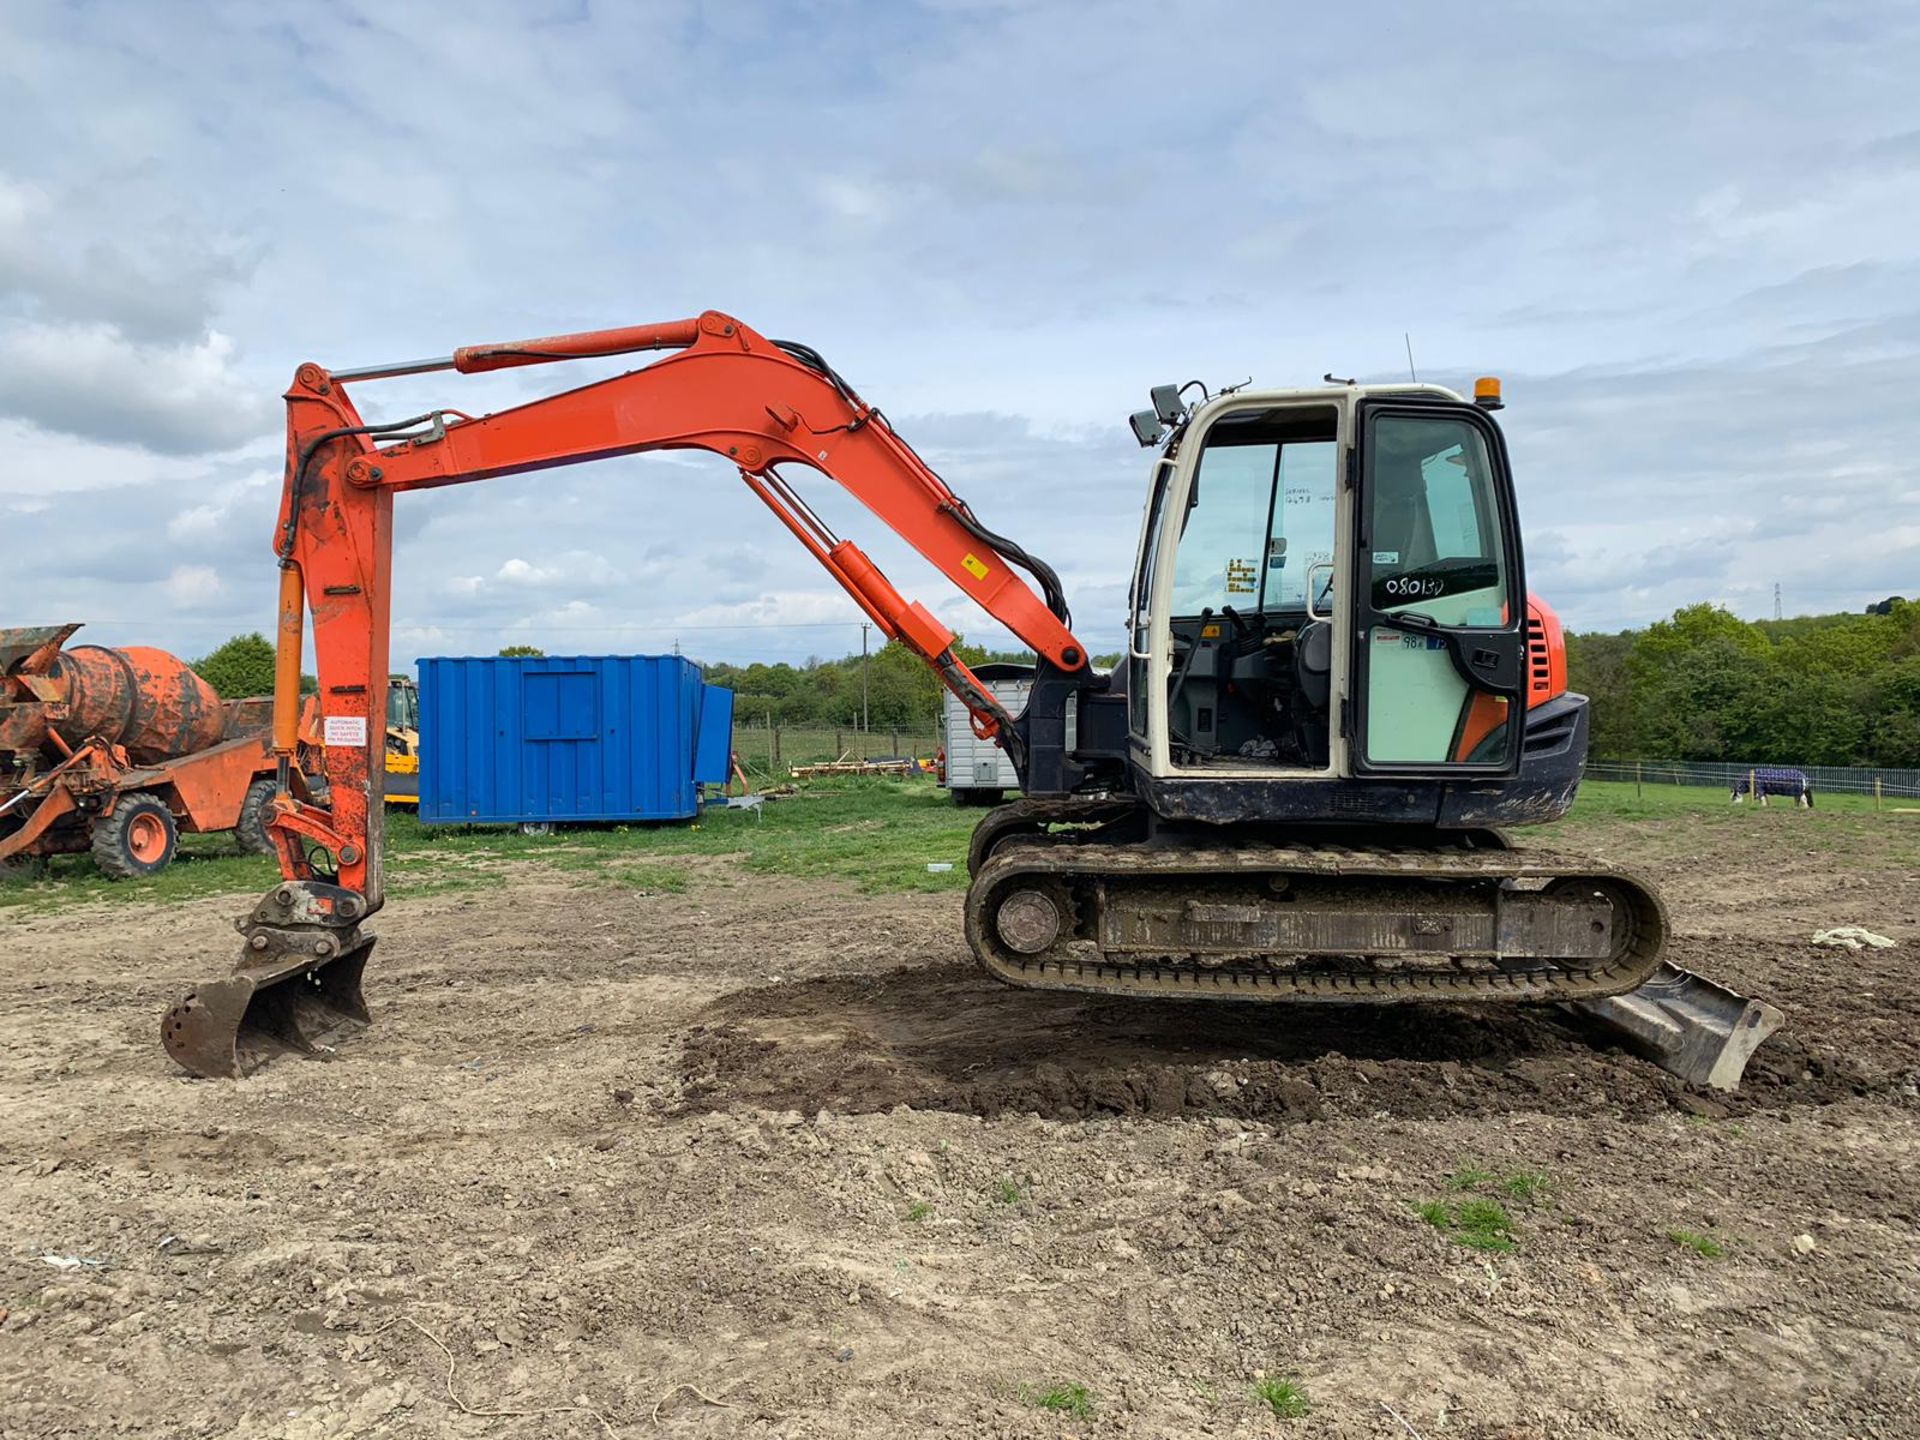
[
  {"x": 1700, "y": 685},
  {"x": 1707, "y": 685},
  {"x": 901, "y": 693}
]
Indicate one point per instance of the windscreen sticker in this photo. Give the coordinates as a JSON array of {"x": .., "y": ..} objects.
[
  {"x": 1242, "y": 578},
  {"x": 344, "y": 730},
  {"x": 1386, "y": 557}
]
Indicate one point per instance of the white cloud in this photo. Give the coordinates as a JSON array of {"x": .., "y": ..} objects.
[
  {"x": 89, "y": 380},
  {"x": 857, "y": 200},
  {"x": 1002, "y": 222},
  {"x": 193, "y": 586}
]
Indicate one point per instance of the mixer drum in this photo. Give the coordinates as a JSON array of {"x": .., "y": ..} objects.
[{"x": 139, "y": 697}]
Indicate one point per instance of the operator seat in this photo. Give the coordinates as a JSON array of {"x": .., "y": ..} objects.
[{"x": 1312, "y": 689}]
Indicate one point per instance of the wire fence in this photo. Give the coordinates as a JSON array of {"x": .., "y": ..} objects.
[
  {"x": 1825, "y": 779},
  {"x": 775, "y": 750}
]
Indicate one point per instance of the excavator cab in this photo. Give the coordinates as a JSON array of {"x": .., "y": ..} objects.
[{"x": 1330, "y": 588}]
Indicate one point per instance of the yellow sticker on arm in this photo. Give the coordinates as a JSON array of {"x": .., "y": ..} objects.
[{"x": 974, "y": 566}]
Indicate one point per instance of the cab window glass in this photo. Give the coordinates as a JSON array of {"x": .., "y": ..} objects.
[
  {"x": 1221, "y": 544},
  {"x": 1435, "y": 535},
  {"x": 1259, "y": 518}
]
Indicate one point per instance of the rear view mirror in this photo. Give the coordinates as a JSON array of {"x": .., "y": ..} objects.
[{"x": 1146, "y": 426}]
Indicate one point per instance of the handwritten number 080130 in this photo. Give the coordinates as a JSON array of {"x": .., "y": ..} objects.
[{"x": 1416, "y": 587}]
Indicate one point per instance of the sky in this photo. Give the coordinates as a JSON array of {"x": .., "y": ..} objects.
[{"x": 1686, "y": 237}]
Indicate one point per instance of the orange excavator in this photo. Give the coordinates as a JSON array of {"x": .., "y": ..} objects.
[{"x": 1336, "y": 690}]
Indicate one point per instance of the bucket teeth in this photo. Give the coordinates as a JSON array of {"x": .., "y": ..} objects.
[{"x": 266, "y": 1009}]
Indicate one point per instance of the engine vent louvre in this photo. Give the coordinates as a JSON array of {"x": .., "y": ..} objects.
[{"x": 1539, "y": 670}]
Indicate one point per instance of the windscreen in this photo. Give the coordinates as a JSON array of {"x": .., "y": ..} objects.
[{"x": 1260, "y": 517}]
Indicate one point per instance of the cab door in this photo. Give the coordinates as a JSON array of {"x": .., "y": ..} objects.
[{"x": 1439, "y": 598}]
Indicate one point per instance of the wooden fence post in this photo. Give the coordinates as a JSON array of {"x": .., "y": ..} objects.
[
  {"x": 1876, "y": 792},
  {"x": 1636, "y": 779}
]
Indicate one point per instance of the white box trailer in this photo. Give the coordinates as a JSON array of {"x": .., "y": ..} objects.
[{"x": 978, "y": 771}]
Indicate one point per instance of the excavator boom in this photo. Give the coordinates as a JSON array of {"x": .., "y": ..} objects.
[{"x": 760, "y": 404}]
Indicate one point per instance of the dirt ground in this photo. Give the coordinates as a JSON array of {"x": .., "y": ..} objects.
[{"x": 769, "y": 1158}]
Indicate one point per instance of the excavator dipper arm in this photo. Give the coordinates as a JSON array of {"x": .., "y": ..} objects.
[{"x": 758, "y": 403}]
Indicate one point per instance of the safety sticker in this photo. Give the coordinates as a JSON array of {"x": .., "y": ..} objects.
[
  {"x": 1242, "y": 578},
  {"x": 974, "y": 566},
  {"x": 344, "y": 730},
  {"x": 1386, "y": 557}
]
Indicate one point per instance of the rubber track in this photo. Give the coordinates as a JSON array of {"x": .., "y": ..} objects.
[{"x": 1063, "y": 969}]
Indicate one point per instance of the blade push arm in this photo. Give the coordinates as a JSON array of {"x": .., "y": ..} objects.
[{"x": 758, "y": 403}]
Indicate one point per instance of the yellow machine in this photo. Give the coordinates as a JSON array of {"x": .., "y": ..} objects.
[{"x": 403, "y": 741}]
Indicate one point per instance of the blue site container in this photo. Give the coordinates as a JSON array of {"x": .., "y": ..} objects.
[{"x": 518, "y": 739}]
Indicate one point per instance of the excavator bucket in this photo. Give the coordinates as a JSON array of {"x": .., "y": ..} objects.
[
  {"x": 289, "y": 1005},
  {"x": 1690, "y": 1027},
  {"x": 295, "y": 991}
]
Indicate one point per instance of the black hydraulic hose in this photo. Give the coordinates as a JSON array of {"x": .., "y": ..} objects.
[
  {"x": 312, "y": 447},
  {"x": 976, "y": 697},
  {"x": 1043, "y": 573},
  {"x": 1050, "y": 587}
]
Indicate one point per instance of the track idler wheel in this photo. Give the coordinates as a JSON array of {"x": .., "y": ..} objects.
[
  {"x": 296, "y": 989},
  {"x": 1031, "y": 919}
]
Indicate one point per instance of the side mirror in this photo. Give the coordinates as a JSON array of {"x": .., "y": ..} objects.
[
  {"x": 1147, "y": 428},
  {"x": 1167, "y": 404}
]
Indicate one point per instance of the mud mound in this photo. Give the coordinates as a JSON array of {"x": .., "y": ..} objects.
[{"x": 946, "y": 1038}]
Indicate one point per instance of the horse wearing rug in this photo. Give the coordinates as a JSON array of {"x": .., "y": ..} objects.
[{"x": 1776, "y": 780}]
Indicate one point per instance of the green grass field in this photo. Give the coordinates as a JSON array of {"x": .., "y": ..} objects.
[{"x": 876, "y": 834}]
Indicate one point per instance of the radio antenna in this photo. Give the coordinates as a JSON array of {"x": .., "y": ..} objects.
[{"x": 1412, "y": 374}]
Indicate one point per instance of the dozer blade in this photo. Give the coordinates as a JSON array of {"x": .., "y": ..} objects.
[
  {"x": 1688, "y": 1026},
  {"x": 292, "y": 1005}
]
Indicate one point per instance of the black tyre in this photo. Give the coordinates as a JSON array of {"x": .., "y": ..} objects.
[
  {"x": 137, "y": 839},
  {"x": 251, "y": 828}
]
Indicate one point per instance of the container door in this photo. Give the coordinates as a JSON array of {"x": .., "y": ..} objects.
[
  {"x": 1439, "y": 598},
  {"x": 560, "y": 723},
  {"x": 713, "y": 748}
]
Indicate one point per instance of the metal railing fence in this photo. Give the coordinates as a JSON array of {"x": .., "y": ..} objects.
[{"x": 1826, "y": 779}]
